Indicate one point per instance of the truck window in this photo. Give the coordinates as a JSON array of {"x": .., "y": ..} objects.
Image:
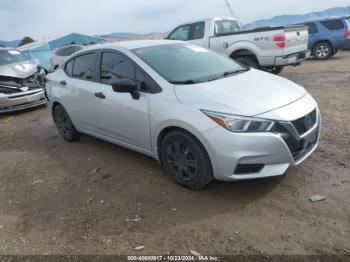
[
  {"x": 181, "y": 33},
  {"x": 312, "y": 28},
  {"x": 333, "y": 24},
  {"x": 198, "y": 30},
  {"x": 226, "y": 27}
]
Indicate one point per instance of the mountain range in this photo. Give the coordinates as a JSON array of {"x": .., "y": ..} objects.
[
  {"x": 274, "y": 21},
  {"x": 283, "y": 20}
]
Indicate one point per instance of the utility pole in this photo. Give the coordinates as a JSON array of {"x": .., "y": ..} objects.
[{"x": 229, "y": 7}]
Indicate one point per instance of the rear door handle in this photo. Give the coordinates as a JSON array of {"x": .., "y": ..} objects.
[
  {"x": 100, "y": 95},
  {"x": 64, "y": 83}
]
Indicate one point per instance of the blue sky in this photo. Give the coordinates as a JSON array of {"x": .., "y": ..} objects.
[{"x": 43, "y": 19}]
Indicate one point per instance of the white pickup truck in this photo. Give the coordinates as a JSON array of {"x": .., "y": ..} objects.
[{"x": 269, "y": 48}]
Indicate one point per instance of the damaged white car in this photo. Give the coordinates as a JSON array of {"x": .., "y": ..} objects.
[{"x": 22, "y": 81}]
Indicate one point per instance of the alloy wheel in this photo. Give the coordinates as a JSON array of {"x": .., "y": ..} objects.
[{"x": 322, "y": 51}]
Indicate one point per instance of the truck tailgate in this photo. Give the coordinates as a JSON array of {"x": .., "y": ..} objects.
[{"x": 296, "y": 39}]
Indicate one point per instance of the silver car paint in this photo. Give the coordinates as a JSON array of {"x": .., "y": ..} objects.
[
  {"x": 19, "y": 70},
  {"x": 23, "y": 99},
  {"x": 251, "y": 93}
]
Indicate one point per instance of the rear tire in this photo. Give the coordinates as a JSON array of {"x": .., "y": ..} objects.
[
  {"x": 248, "y": 61},
  {"x": 64, "y": 124},
  {"x": 186, "y": 160},
  {"x": 322, "y": 51}
]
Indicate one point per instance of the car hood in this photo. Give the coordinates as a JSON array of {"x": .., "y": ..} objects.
[
  {"x": 248, "y": 94},
  {"x": 19, "y": 70}
]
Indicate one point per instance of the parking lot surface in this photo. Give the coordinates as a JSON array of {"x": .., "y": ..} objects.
[{"x": 92, "y": 197}]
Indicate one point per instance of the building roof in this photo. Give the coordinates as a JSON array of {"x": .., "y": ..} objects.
[{"x": 74, "y": 38}]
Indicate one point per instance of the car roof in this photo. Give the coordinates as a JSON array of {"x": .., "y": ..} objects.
[
  {"x": 130, "y": 45},
  {"x": 208, "y": 19},
  {"x": 325, "y": 19}
]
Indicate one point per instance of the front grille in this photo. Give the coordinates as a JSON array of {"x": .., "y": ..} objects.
[{"x": 304, "y": 124}]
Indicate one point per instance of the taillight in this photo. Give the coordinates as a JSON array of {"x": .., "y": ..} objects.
[
  {"x": 280, "y": 40},
  {"x": 347, "y": 34}
]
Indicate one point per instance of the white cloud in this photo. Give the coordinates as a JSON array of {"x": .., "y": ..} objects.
[{"x": 50, "y": 18}]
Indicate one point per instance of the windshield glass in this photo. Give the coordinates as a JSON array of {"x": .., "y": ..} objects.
[
  {"x": 186, "y": 63},
  {"x": 12, "y": 56},
  {"x": 226, "y": 27}
]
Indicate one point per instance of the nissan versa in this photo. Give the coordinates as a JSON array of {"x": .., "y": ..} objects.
[{"x": 200, "y": 114}]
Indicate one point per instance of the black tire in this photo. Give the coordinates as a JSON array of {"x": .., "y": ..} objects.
[
  {"x": 186, "y": 160},
  {"x": 274, "y": 70},
  {"x": 322, "y": 51},
  {"x": 64, "y": 124},
  {"x": 248, "y": 61}
]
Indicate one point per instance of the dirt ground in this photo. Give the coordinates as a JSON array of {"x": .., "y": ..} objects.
[{"x": 92, "y": 197}]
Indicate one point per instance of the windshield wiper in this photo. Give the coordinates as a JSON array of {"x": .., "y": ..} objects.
[
  {"x": 228, "y": 73},
  {"x": 187, "y": 82}
]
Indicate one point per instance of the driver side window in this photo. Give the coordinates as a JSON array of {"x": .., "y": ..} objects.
[
  {"x": 115, "y": 67},
  {"x": 181, "y": 33}
]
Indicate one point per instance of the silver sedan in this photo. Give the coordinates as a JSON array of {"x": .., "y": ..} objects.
[
  {"x": 200, "y": 114},
  {"x": 22, "y": 82}
]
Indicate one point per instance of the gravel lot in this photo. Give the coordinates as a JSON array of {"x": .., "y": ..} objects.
[{"x": 92, "y": 197}]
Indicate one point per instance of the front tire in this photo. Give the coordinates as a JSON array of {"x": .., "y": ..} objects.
[
  {"x": 64, "y": 124},
  {"x": 186, "y": 160},
  {"x": 322, "y": 51}
]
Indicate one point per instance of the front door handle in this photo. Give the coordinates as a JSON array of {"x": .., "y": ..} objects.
[
  {"x": 100, "y": 95},
  {"x": 64, "y": 83}
]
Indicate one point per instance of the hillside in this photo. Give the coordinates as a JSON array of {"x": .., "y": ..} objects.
[{"x": 292, "y": 19}]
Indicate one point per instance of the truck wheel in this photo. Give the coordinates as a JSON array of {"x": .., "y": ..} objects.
[
  {"x": 322, "y": 51},
  {"x": 248, "y": 61},
  {"x": 274, "y": 70},
  {"x": 64, "y": 124},
  {"x": 185, "y": 160}
]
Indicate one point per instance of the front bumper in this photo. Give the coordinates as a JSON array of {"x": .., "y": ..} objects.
[
  {"x": 292, "y": 59},
  {"x": 21, "y": 100},
  {"x": 241, "y": 156}
]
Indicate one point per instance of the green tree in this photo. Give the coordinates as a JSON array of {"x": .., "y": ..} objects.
[{"x": 26, "y": 40}]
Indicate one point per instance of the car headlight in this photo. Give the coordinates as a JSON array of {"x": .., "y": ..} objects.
[{"x": 240, "y": 124}]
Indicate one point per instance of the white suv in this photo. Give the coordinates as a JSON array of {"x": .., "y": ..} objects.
[{"x": 62, "y": 53}]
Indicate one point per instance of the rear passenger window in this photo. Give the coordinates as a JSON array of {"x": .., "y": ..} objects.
[
  {"x": 69, "y": 68},
  {"x": 114, "y": 67},
  {"x": 83, "y": 67},
  {"x": 333, "y": 24},
  {"x": 312, "y": 28},
  {"x": 198, "y": 30}
]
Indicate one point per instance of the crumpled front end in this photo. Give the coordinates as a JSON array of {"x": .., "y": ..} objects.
[{"x": 18, "y": 93}]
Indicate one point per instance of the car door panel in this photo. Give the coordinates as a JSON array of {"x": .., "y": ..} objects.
[
  {"x": 119, "y": 116},
  {"x": 122, "y": 118},
  {"x": 80, "y": 87}
]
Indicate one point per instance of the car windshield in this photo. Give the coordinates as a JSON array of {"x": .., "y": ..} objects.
[
  {"x": 186, "y": 63},
  {"x": 12, "y": 56}
]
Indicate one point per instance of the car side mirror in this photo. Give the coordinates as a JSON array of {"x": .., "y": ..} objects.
[{"x": 125, "y": 85}]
